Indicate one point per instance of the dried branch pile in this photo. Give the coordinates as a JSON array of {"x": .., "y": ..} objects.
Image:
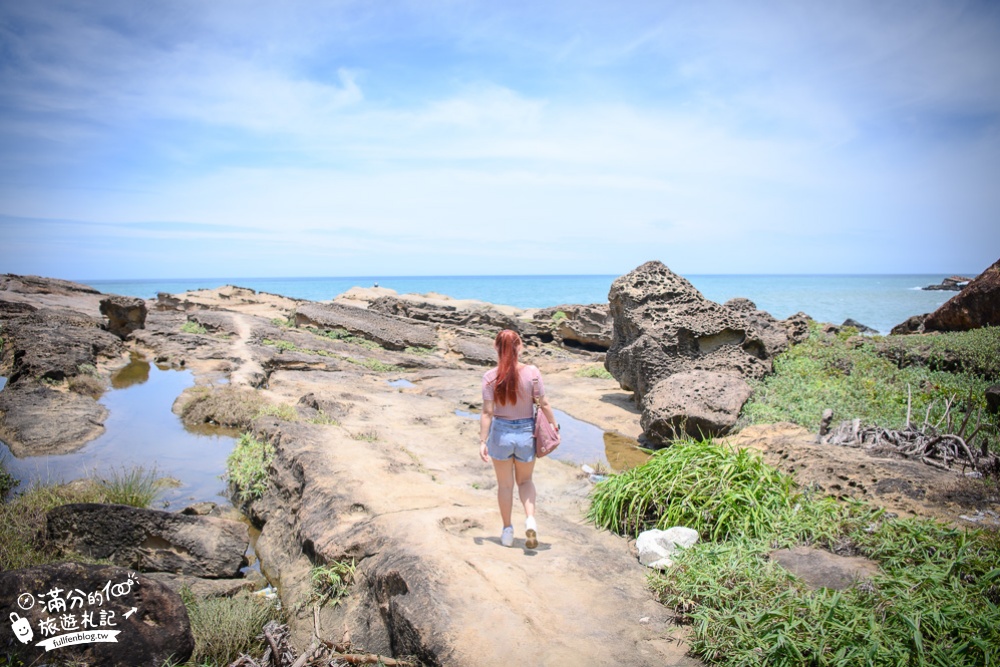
[
  {"x": 940, "y": 445},
  {"x": 322, "y": 653}
]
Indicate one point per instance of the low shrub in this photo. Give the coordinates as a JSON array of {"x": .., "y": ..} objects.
[
  {"x": 976, "y": 352},
  {"x": 595, "y": 371},
  {"x": 225, "y": 628},
  {"x": 331, "y": 582},
  {"x": 380, "y": 366},
  {"x": 282, "y": 411},
  {"x": 247, "y": 465},
  {"x": 190, "y": 327},
  {"x": 854, "y": 378},
  {"x": 282, "y": 344},
  {"x": 226, "y": 406},
  {"x": 346, "y": 337},
  {"x": 88, "y": 385}
]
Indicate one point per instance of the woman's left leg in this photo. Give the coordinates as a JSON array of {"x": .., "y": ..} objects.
[{"x": 505, "y": 489}]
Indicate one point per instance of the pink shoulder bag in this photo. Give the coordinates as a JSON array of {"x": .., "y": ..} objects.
[{"x": 546, "y": 435}]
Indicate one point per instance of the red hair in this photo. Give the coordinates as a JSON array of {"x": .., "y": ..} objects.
[{"x": 505, "y": 389}]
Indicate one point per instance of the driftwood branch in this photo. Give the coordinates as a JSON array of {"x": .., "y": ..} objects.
[
  {"x": 930, "y": 444},
  {"x": 372, "y": 659}
]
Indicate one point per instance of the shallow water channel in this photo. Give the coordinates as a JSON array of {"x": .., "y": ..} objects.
[
  {"x": 584, "y": 443},
  {"x": 141, "y": 430}
]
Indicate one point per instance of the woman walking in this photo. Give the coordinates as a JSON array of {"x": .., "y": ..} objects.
[{"x": 506, "y": 431}]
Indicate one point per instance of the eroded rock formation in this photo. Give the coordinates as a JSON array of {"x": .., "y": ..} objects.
[
  {"x": 577, "y": 326},
  {"x": 663, "y": 326}
]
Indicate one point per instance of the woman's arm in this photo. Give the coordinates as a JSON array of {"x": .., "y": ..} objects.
[
  {"x": 485, "y": 419},
  {"x": 543, "y": 403}
]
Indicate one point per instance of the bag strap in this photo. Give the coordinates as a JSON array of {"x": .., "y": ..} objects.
[{"x": 534, "y": 391}]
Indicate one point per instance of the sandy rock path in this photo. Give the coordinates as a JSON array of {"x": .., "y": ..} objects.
[{"x": 398, "y": 485}]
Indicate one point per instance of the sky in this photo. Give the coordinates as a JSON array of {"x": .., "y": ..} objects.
[{"x": 184, "y": 138}]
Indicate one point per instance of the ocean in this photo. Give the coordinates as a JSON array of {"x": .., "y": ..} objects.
[{"x": 877, "y": 301}]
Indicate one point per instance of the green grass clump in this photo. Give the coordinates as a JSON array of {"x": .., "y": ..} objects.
[
  {"x": 852, "y": 376},
  {"x": 282, "y": 411},
  {"x": 190, "y": 327},
  {"x": 420, "y": 351},
  {"x": 246, "y": 467},
  {"x": 702, "y": 485},
  {"x": 22, "y": 521},
  {"x": 595, "y": 371},
  {"x": 283, "y": 322},
  {"x": 934, "y": 603},
  {"x": 373, "y": 364},
  {"x": 559, "y": 316},
  {"x": 226, "y": 627},
  {"x": 346, "y": 337},
  {"x": 331, "y": 582},
  {"x": 135, "y": 486},
  {"x": 22, "y": 517},
  {"x": 281, "y": 344},
  {"x": 324, "y": 419}
]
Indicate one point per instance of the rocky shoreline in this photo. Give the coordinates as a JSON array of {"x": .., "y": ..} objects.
[{"x": 386, "y": 477}]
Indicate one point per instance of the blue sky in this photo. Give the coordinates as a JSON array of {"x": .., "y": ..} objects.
[{"x": 224, "y": 139}]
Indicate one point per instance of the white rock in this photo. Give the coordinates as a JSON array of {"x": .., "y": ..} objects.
[{"x": 658, "y": 545}]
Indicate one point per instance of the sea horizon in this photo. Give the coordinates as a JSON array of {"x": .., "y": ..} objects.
[{"x": 879, "y": 301}]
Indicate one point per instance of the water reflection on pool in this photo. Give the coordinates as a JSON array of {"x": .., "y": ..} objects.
[
  {"x": 585, "y": 443},
  {"x": 141, "y": 431}
]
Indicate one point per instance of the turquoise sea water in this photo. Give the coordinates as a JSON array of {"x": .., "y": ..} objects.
[{"x": 878, "y": 301}]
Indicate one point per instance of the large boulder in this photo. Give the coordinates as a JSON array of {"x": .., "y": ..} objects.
[
  {"x": 54, "y": 343},
  {"x": 393, "y": 333},
  {"x": 92, "y": 615},
  {"x": 150, "y": 540},
  {"x": 36, "y": 420},
  {"x": 663, "y": 326},
  {"x": 577, "y": 326},
  {"x": 700, "y": 404},
  {"x": 125, "y": 314},
  {"x": 976, "y": 306}
]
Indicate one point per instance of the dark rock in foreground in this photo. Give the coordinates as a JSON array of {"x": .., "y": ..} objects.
[
  {"x": 65, "y": 600},
  {"x": 151, "y": 540}
]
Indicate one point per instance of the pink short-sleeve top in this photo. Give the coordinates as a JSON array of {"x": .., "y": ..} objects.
[{"x": 522, "y": 408}]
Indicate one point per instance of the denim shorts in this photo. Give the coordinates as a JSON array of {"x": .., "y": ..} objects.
[{"x": 512, "y": 437}]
